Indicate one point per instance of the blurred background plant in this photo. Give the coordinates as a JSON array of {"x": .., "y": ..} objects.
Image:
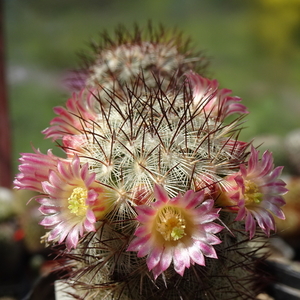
[{"x": 253, "y": 47}]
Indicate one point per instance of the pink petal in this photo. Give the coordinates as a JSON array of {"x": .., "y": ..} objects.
[
  {"x": 192, "y": 199},
  {"x": 241, "y": 214},
  {"x": 141, "y": 231},
  {"x": 274, "y": 209},
  {"x": 89, "y": 226},
  {"x": 209, "y": 217},
  {"x": 212, "y": 239},
  {"x": 72, "y": 238},
  {"x": 154, "y": 257},
  {"x": 49, "y": 221},
  {"x": 250, "y": 225},
  {"x": 137, "y": 243},
  {"x": 49, "y": 201},
  {"x": 264, "y": 220},
  {"x": 68, "y": 227},
  {"x": 212, "y": 228},
  {"x": 90, "y": 216},
  {"x": 166, "y": 259},
  {"x": 65, "y": 171},
  {"x": 239, "y": 179},
  {"x": 253, "y": 160},
  {"x": 49, "y": 188},
  {"x": 48, "y": 210},
  {"x": 92, "y": 196},
  {"x": 84, "y": 173},
  {"x": 89, "y": 178},
  {"x": 55, "y": 180},
  {"x": 275, "y": 174},
  {"x": 156, "y": 271},
  {"x": 205, "y": 207},
  {"x": 266, "y": 163},
  {"x": 76, "y": 167},
  {"x": 145, "y": 249},
  {"x": 181, "y": 259},
  {"x": 206, "y": 249},
  {"x": 274, "y": 189},
  {"x": 276, "y": 200},
  {"x": 196, "y": 255},
  {"x": 160, "y": 194},
  {"x": 144, "y": 211},
  {"x": 54, "y": 233}
]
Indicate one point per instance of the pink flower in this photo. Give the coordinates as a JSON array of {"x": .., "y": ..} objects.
[
  {"x": 180, "y": 229},
  {"x": 215, "y": 103},
  {"x": 78, "y": 114},
  {"x": 74, "y": 201},
  {"x": 257, "y": 193},
  {"x": 34, "y": 169}
]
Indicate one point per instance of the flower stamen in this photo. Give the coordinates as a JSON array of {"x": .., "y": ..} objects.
[
  {"x": 252, "y": 193},
  {"x": 170, "y": 224},
  {"x": 76, "y": 202}
]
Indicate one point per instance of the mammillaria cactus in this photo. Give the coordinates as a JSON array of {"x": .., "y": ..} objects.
[
  {"x": 131, "y": 55},
  {"x": 156, "y": 196}
]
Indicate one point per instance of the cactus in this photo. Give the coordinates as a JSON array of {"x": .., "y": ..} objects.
[{"x": 156, "y": 196}]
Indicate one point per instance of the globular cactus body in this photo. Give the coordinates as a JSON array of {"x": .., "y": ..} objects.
[{"x": 156, "y": 194}]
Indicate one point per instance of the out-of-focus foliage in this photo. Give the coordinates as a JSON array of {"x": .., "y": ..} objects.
[{"x": 278, "y": 26}]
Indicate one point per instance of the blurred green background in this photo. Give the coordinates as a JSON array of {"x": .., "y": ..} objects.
[{"x": 253, "y": 46}]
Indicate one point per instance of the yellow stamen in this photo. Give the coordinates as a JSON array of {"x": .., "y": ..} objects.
[
  {"x": 170, "y": 223},
  {"x": 76, "y": 202},
  {"x": 252, "y": 193}
]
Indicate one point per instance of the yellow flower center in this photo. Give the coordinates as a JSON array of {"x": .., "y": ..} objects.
[
  {"x": 252, "y": 193},
  {"x": 170, "y": 223},
  {"x": 76, "y": 202}
]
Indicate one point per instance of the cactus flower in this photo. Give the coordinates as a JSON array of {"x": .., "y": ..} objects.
[
  {"x": 180, "y": 229},
  {"x": 257, "y": 192},
  {"x": 217, "y": 103}
]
